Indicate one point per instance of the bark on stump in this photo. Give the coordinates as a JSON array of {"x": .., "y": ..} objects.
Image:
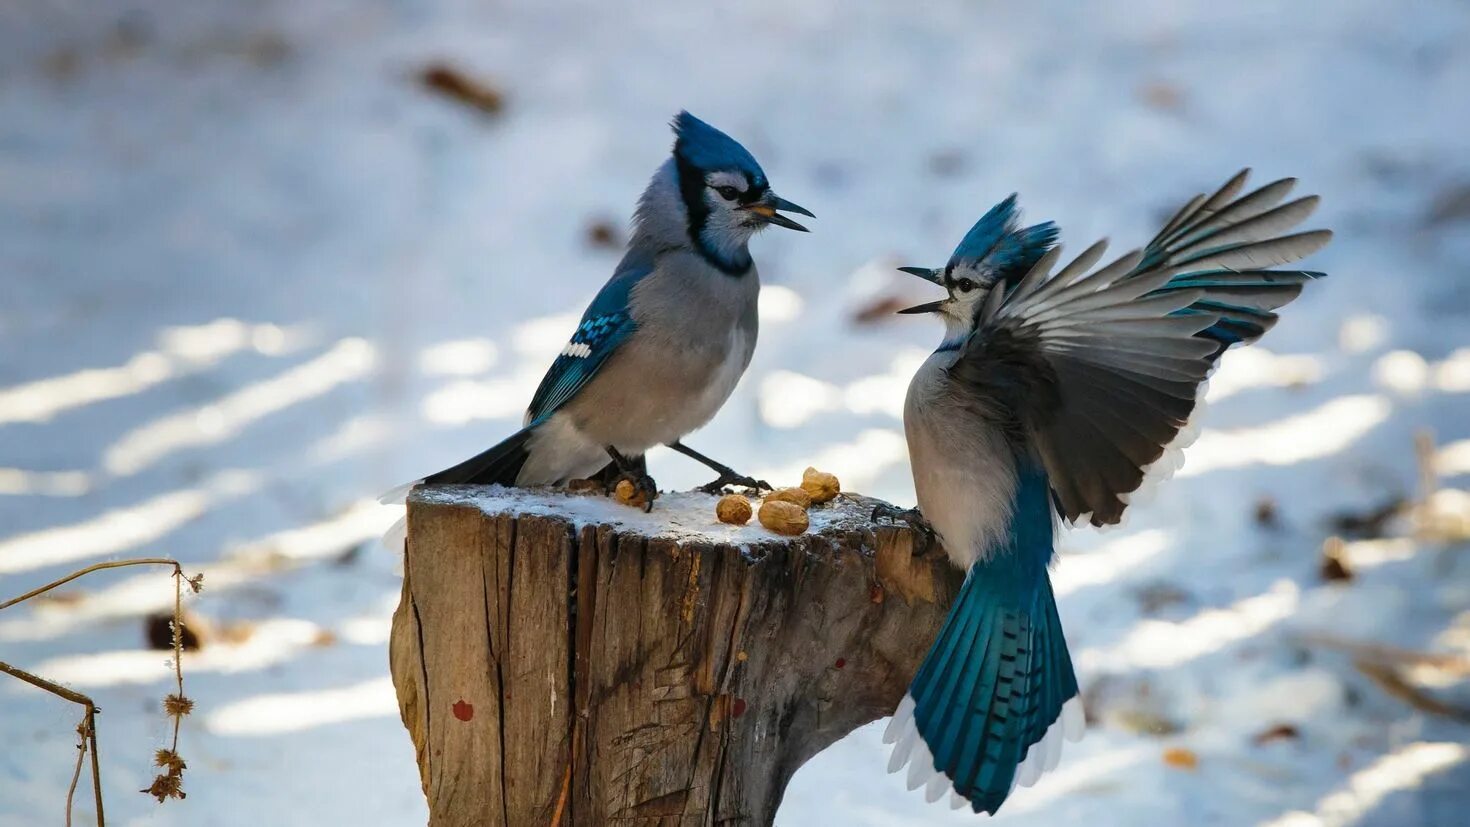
[{"x": 553, "y": 668}]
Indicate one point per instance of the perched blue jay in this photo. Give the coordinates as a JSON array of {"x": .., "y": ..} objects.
[
  {"x": 1055, "y": 394},
  {"x": 664, "y": 342}
]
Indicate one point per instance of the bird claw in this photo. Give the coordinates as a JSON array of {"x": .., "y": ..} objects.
[
  {"x": 913, "y": 519},
  {"x": 648, "y": 489},
  {"x": 643, "y": 486},
  {"x": 735, "y": 479}
]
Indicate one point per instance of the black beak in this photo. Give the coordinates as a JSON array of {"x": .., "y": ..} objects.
[
  {"x": 926, "y": 307},
  {"x": 927, "y": 274},
  {"x": 767, "y": 206}
]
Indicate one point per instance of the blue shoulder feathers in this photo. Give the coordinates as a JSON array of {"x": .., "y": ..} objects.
[{"x": 607, "y": 323}]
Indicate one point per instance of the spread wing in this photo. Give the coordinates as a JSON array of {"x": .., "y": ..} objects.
[
  {"x": 1100, "y": 370},
  {"x": 1225, "y": 245},
  {"x": 607, "y": 323}
]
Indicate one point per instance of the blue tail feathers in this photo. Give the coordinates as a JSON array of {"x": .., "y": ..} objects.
[{"x": 986, "y": 710}]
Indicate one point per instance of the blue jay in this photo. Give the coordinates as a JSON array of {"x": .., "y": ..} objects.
[
  {"x": 1054, "y": 395},
  {"x": 664, "y": 342}
]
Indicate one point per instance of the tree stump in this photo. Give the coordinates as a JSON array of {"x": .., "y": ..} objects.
[{"x": 564, "y": 660}]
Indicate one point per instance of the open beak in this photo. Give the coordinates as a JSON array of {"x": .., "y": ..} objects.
[
  {"x": 927, "y": 274},
  {"x": 926, "y": 307},
  {"x": 768, "y": 205}
]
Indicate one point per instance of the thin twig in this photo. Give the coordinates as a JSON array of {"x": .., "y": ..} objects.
[
  {"x": 1390, "y": 681},
  {"x": 96, "y": 765},
  {"x": 76, "y": 773},
  {"x": 1446, "y": 663},
  {"x": 114, "y": 564},
  {"x": 1428, "y": 481},
  {"x": 178, "y": 648},
  {"x": 42, "y": 683}
]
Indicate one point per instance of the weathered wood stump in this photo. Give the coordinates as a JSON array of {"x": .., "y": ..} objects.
[{"x": 563, "y": 660}]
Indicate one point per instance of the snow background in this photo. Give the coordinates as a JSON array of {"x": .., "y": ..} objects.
[{"x": 253, "y": 275}]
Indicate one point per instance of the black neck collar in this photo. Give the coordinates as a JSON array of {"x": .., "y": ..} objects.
[{"x": 691, "y": 189}]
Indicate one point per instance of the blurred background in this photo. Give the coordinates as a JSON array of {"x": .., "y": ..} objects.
[{"x": 263, "y": 260}]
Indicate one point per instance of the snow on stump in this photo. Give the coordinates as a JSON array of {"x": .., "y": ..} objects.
[{"x": 564, "y": 660}]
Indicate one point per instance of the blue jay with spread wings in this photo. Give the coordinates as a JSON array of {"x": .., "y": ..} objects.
[
  {"x": 1053, "y": 395},
  {"x": 664, "y": 342}
]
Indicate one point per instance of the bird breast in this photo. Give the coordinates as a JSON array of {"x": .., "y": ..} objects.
[
  {"x": 695, "y": 337},
  {"x": 964, "y": 471}
]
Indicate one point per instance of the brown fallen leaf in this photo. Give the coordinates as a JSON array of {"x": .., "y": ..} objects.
[
  {"x": 1266, "y": 513},
  {"x": 1335, "y": 566},
  {"x": 603, "y": 234},
  {"x": 1369, "y": 524},
  {"x": 1181, "y": 758},
  {"x": 1278, "y": 732},
  {"x": 1161, "y": 95},
  {"x": 880, "y": 309},
  {"x": 458, "y": 86}
]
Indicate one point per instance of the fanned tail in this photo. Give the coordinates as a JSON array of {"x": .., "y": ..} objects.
[
  {"x": 996, "y": 694},
  {"x": 993, "y": 700}
]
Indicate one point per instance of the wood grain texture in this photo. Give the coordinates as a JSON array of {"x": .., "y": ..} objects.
[{"x": 550, "y": 673}]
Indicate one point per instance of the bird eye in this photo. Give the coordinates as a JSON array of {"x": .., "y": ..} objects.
[
  {"x": 965, "y": 285},
  {"x": 728, "y": 193}
]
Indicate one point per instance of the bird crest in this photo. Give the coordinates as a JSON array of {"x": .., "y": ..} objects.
[
  {"x": 997, "y": 247},
  {"x": 708, "y": 149}
]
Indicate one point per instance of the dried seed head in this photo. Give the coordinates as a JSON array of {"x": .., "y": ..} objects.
[
  {"x": 169, "y": 760},
  {"x": 166, "y": 785},
  {"x": 196, "y": 583},
  {"x": 177, "y": 706}
]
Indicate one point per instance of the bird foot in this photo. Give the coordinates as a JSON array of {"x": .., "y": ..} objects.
[
  {"x": 640, "y": 493},
  {"x": 924, "y": 532},
  {"x": 729, "y": 478}
]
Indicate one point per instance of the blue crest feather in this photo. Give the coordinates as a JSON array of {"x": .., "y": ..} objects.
[
  {"x": 996, "y": 243},
  {"x": 708, "y": 149}
]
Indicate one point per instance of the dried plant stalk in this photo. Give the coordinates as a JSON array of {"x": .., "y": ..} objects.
[{"x": 176, "y": 705}]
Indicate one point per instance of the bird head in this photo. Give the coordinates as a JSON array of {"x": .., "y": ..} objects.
[
  {"x": 725, "y": 193},
  {"x": 996, "y": 252}
]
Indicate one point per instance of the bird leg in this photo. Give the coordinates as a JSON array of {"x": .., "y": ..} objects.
[
  {"x": 915, "y": 521},
  {"x": 727, "y": 474},
  {"x": 633, "y": 470}
]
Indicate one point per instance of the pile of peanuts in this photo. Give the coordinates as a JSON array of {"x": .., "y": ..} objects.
[{"x": 783, "y": 510}]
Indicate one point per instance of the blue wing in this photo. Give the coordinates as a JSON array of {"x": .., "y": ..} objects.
[
  {"x": 1225, "y": 245},
  {"x": 606, "y": 325}
]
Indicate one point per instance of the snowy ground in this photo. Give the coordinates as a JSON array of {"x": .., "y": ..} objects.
[{"x": 253, "y": 275}]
